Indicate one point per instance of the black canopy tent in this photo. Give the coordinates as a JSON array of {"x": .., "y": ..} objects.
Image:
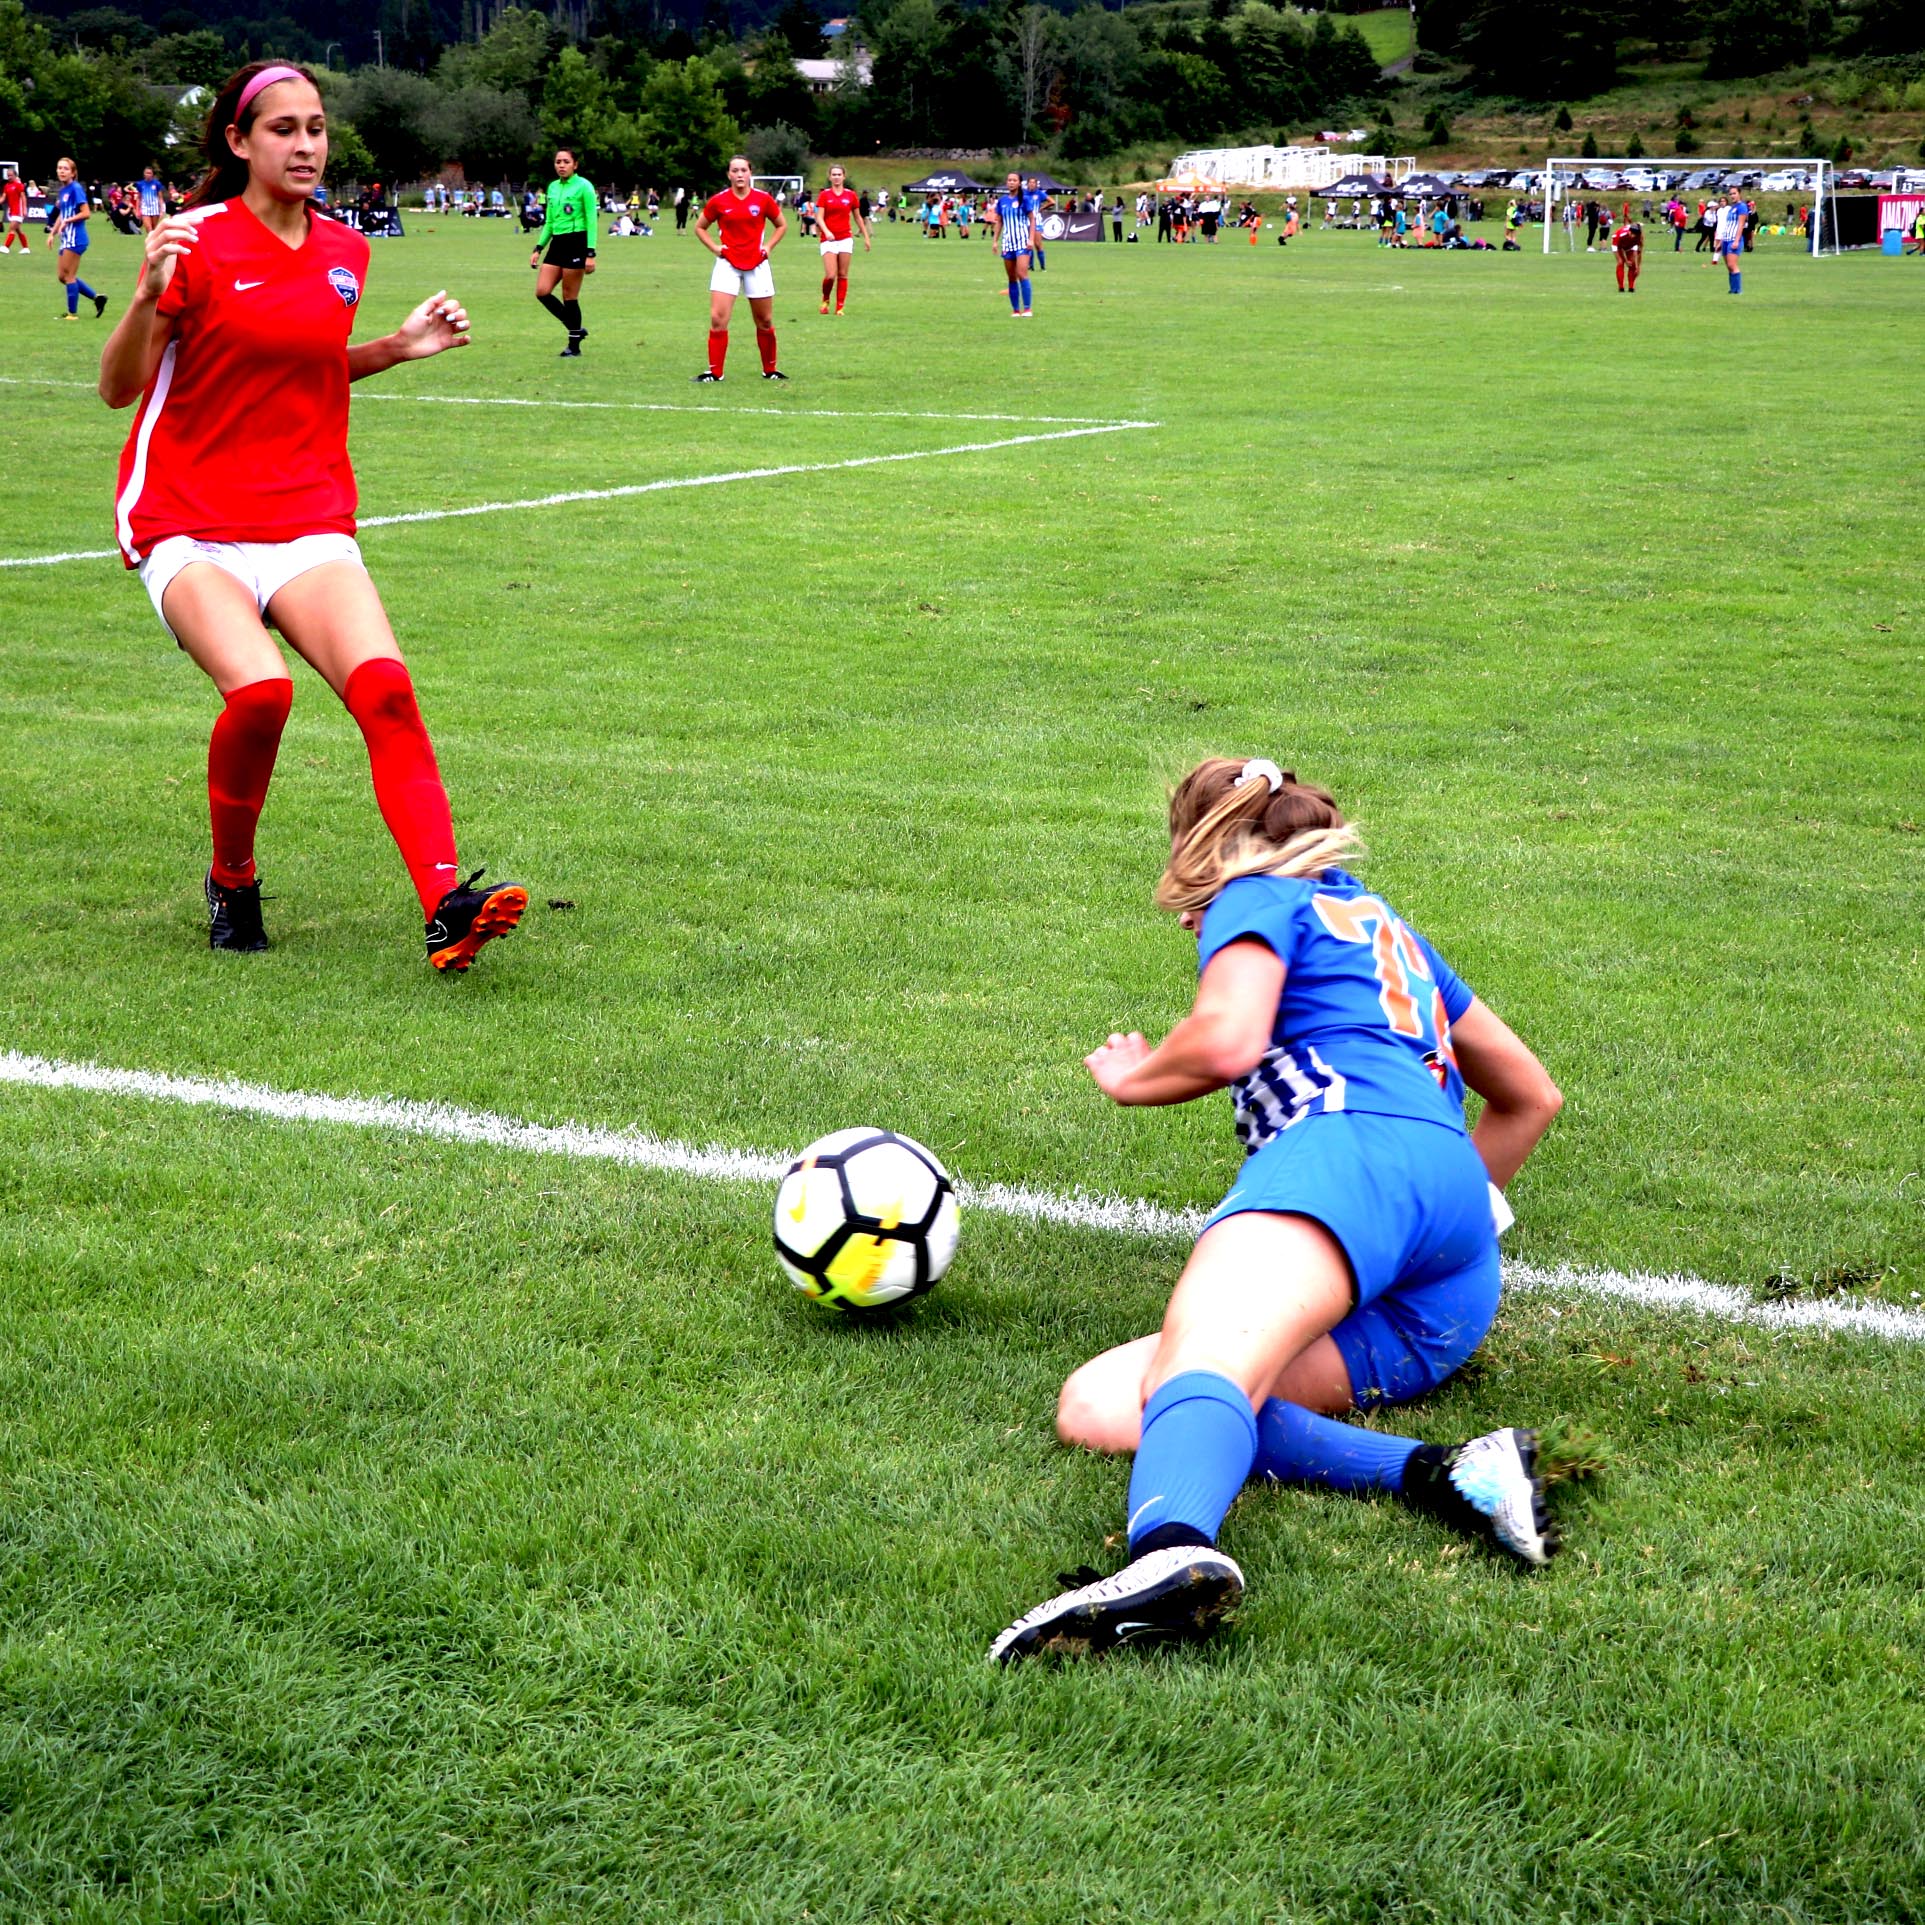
[
  {"x": 1047, "y": 182},
  {"x": 1356, "y": 184},
  {"x": 951, "y": 182}
]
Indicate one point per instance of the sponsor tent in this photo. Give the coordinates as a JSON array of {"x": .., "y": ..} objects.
[{"x": 954, "y": 181}]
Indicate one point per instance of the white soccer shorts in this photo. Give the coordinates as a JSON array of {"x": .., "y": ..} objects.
[
  {"x": 757, "y": 282},
  {"x": 847, "y": 245},
  {"x": 263, "y": 568}
]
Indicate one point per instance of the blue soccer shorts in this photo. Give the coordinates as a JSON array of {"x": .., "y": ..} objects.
[{"x": 1410, "y": 1204}]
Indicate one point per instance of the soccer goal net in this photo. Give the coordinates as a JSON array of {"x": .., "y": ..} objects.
[{"x": 1708, "y": 175}]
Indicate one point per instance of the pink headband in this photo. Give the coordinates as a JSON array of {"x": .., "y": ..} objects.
[{"x": 267, "y": 77}]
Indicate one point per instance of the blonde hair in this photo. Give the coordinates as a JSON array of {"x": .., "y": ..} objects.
[{"x": 1223, "y": 826}]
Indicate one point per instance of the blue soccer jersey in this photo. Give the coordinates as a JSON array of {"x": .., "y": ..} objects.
[
  {"x": 1012, "y": 221},
  {"x": 67, "y": 203},
  {"x": 150, "y": 200},
  {"x": 1364, "y": 1019}
]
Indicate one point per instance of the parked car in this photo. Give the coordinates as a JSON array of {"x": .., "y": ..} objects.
[
  {"x": 1854, "y": 178},
  {"x": 1641, "y": 180},
  {"x": 1785, "y": 181}
]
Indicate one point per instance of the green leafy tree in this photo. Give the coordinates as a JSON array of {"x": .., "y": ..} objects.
[
  {"x": 197, "y": 59},
  {"x": 1634, "y": 147},
  {"x": 512, "y": 56},
  {"x": 99, "y": 110},
  {"x": 1589, "y": 148},
  {"x": 1758, "y": 37},
  {"x": 396, "y": 113},
  {"x": 775, "y": 91},
  {"x": 348, "y": 158},
  {"x": 780, "y": 149},
  {"x": 687, "y": 134},
  {"x": 1541, "y": 49},
  {"x": 490, "y": 131},
  {"x": 1341, "y": 65},
  {"x": 1269, "y": 65},
  {"x": 1562, "y": 120}
]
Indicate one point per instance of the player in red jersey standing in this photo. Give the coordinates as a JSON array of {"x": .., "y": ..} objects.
[
  {"x": 838, "y": 209},
  {"x": 1627, "y": 243},
  {"x": 13, "y": 190},
  {"x": 236, "y": 501},
  {"x": 741, "y": 266}
]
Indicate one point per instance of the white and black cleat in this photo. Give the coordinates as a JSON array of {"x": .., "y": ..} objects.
[
  {"x": 1489, "y": 1487},
  {"x": 1179, "y": 1594}
]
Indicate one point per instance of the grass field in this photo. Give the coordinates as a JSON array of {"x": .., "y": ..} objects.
[{"x": 393, "y": 1528}]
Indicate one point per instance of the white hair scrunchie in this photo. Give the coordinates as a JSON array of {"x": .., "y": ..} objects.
[{"x": 1257, "y": 767}]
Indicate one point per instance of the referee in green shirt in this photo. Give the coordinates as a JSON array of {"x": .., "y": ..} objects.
[{"x": 565, "y": 248}]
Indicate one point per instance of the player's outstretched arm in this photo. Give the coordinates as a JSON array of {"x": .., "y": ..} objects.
[
  {"x": 1519, "y": 1097},
  {"x": 439, "y": 323},
  {"x": 1223, "y": 1037},
  {"x": 139, "y": 339}
]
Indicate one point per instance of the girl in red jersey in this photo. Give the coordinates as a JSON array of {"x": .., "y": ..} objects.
[
  {"x": 741, "y": 266},
  {"x": 838, "y": 209},
  {"x": 236, "y": 500}
]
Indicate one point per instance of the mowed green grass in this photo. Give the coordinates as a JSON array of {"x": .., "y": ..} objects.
[{"x": 398, "y": 1530}]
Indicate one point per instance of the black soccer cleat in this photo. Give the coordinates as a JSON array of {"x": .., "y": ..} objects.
[
  {"x": 234, "y": 916},
  {"x": 100, "y": 305},
  {"x": 773, "y": 374},
  {"x": 706, "y": 379},
  {"x": 468, "y": 917},
  {"x": 572, "y": 352},
  {"x": 1489, "y": 1488},
  {"x": 1179, "y": 1594}
]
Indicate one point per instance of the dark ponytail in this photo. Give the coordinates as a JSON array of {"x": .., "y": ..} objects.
[{"x": 226, "y": 174}]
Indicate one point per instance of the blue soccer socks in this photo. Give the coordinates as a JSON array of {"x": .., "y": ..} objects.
[
  {"x": 1737, "y": 281},
  {"x": 1296, "y": 1446},
  {"x": 1199, "y": 1441},
  {"x": 1015, "y": 297}
]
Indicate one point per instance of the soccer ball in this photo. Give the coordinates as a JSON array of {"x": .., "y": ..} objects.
[{"x": 865, "y": 1218}]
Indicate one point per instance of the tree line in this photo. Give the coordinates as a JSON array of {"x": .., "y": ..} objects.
[
  {"x": 1543, "y": 50},
  {"x": 651, "y": 100}
]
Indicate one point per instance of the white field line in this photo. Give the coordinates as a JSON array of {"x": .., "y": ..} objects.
[
  {"x": 659, "y": 487},
  {"x": 1125, "y": 1216},
  {"x": 671, "y": 407}
]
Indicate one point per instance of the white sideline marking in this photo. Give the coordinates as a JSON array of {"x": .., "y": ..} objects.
[
  {"x": 1128, "y": 1216},
  {"x": 658, "y": 487},
  {"x": 668, "y": 407}
]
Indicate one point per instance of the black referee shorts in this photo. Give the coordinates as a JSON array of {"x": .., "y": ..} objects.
[{"x": 567, "y": 250}]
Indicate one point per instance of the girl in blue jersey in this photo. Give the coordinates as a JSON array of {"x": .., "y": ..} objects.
[
  {"x": 1015, "y": 235},
  {"x": 67, "y": 231},
  {"x": 1353, "y": 1262}
]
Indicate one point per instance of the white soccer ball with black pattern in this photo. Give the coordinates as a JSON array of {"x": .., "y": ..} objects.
[{"x": 865, "y": 1218}]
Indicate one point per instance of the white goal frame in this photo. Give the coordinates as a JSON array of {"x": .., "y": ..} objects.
[{"x": 1824, "y": 179}]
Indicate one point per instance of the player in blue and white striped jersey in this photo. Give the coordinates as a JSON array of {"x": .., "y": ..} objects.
[
  {"x": 1353, "y": 1262},
  {"x": 1016, "y": 236}
]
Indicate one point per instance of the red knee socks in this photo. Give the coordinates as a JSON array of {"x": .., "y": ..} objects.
[
  {"x": 765, "y": 342},
  {"x": 842, "y": 293},
  {"x": 718, "y": 351},
  {"x": 828, "y": 285},
  {"x": 240, "y": 759},
  {"x": 407, "y": 784}
]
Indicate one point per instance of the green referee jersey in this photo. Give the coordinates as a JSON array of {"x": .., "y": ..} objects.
[{"x": 570, "y": 210}]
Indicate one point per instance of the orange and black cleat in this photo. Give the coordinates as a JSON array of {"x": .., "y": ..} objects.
[
  {"x": 470, "y": 916},
  {"x": 234, "y": 916}
]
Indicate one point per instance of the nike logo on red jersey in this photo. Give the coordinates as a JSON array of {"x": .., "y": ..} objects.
[{"x": 241, "y": 287}]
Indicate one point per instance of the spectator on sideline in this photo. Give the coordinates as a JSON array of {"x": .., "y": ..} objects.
[{"x": 681, "y": 209}]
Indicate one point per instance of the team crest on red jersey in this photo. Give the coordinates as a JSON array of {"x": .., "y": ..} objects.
[{"x": 342, "y": 281}]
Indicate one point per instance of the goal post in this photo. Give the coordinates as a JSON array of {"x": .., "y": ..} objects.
[{"x": 1563, "y": 170}]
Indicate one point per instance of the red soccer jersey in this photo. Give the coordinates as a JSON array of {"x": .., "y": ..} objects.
[
  {"x": 16, "y": 200},
  {"x": 833, "y": 208},
  {"x": 242, "y": 434},
  {"x": 741, "y": 217}
]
